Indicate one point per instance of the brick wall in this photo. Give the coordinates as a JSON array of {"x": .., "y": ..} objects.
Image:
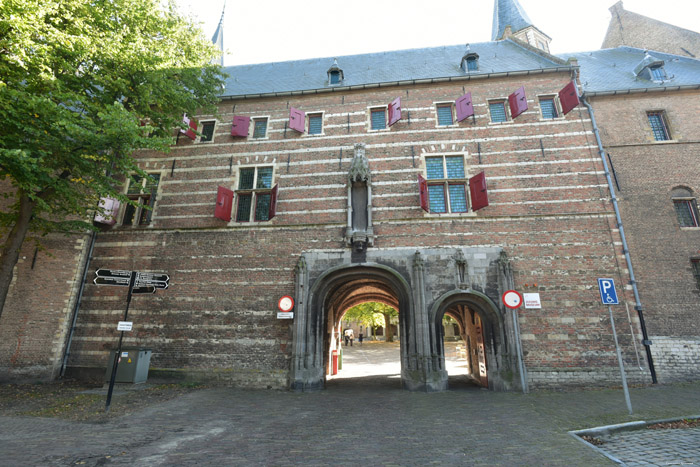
[
  {"x": 647, "y": 172},
  {"x": 549, "y": 210}
]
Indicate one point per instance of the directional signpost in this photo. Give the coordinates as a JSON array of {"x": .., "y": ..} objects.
[
  {"x": 608, "y": 295},
  {"x": 138, "y": 283}
]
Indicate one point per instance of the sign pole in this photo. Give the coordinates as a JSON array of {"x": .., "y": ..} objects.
[
  {"x": 619, "y": 359},
  {"x": 132, "y": 280}
]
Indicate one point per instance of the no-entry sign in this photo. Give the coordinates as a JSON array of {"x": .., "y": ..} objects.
[{"x": 512, "y": 299}]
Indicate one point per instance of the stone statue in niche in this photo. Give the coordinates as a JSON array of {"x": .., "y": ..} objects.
[
  {"x": 359, "y": 233},
  {"x": 462, "y": 267}
]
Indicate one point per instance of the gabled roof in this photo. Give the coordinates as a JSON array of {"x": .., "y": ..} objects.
[
  {"x": 613, "y": 70},
  {"x": 384, "y": 68},
  {"x": 508, "y": 13}
]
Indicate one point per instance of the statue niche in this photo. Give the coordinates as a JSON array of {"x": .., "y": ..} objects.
[{"x": 359, "y": 233}]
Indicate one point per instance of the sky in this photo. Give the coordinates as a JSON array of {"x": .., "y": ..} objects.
[{"x": 278, "y": 30}]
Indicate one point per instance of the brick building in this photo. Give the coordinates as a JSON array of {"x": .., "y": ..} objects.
[{"x": 433, "y": 180}]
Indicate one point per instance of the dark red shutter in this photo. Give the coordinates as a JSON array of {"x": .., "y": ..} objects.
[
  {"x": 110, "y": 208},
  {"x": 190, "y": 133},
  {"x": 273, "y": 201},
  {"x": 395, "y": 111},
  {"x": 241, "y": 126},
  {"x": 297, "y": 120},
  {"x": 518, "y": 102},
  {"x": 569, "y": 98},
  {"x": 224, "y": 203},
  {"x": 423, "y": 189},
  {"x": 464, "y": 107},
  {"x": 477, "y": 189}
]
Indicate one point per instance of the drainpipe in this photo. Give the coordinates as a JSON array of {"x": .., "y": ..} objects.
[
  {"x": 638, "y": 303},
  {"x": 66, "y": 352}
]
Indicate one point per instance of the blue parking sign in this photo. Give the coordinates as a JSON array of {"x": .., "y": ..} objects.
[{"x": 608, "y": 294}]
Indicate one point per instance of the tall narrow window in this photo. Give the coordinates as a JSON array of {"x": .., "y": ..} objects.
[
  {"x": 254, "y": 194},
  {"x": 444, "y": 114},
  {"x": 142, "y": 190},
  {"x": 657, "y": 121},
  {"x": 657, "y": 73},
  {"x": 315, "y": 124},
  {"x": 207, "y": 131},
  {"x": 695, "y": 263},
  {"x": 446, "y": 184},
  {"x": 687, "y": 212},
  {"x": 498, "y": 111},
  {"x": 378, "y": 118},
  {"x": 472, "y": 63},
  {"x": 549, "y": 108},
  {"x": 260, "y": 127},
  {"x": 335, "y": 76}
]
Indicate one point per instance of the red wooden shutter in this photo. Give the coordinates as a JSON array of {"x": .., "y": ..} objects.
[
  {"x": 273, "y": 202},
  {"x": 241, "y": 126},
  {"x": 190, "y": 133},
  {"x": 569, "y": 98},
  {"x": 477, "y": 189},
  {"x": 109, "y": 215},
  {"x": 423, "y": 189},
  {"x": 518, "y": 102},
  {"x": 224, "y": 203},
  {"x": 464, "y": 107},
  {"x": 297, "y": 120},
  {"x": 395, "y": 111}
]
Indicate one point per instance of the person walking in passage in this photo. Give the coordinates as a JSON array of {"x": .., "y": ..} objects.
[
  {"x": 360, "y": 337},
  {"x": 349, "y": 336}
]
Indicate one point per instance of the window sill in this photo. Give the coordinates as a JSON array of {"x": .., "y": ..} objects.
[
  {"x": 454, "y": 125},
  {"x": 449, "y": 214},
  {"x": 507, "y": 122},
  {"x": 691, "y": 228},
  {"x": 378, "y": 131}
]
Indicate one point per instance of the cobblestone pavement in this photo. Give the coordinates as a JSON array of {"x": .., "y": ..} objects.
[{"x": 356, "y": 420}]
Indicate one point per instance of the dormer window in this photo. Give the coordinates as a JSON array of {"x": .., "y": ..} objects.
[
  {"x": 335, "y": 74},
  {"x": 657, "y": 73},
  {"x": 470, "y": 62},
  {"x": 651, "y": 68}
]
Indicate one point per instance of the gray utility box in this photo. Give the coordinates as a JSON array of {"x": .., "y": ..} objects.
[{"x": 133, "y": 366}]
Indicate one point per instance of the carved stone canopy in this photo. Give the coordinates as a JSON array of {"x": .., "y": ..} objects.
[{"x": 359, "y": 169}]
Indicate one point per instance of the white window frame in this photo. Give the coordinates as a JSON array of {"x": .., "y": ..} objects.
[
  {"x": 251, "y": 131},
  {"x": 446, "y": 182},
  {"x": 386, "y": 118},
  {"x": 506, "y": 107},
  {"x": 138, "y": 210},
  {"x": 557, "y": 106},
  {"x": 253, "y": 191},
  {"x": 308, "y": 120},
  {"x": 454, "y": 123},
  {"x": 199, "y": 138}
]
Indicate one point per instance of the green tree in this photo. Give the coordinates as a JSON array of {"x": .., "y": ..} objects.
[
  {"x": 83, "y": 84},
  {"x": 373, "y": 314}
]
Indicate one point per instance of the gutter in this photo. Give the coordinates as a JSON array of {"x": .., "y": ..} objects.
[
  {"x": 637, "y": 302},
  {"x": 623, "y": 92},
  {"x": 447, "y": 79},
  {"x": 66, "y": 352}
]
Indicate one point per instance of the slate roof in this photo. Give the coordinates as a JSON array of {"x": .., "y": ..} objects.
[
  {"x": 508, "y": 13},
  {"x": 610, "y": 70},
  {"x": 384, "y": 67}
]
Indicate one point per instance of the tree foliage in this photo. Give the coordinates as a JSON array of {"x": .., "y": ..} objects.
[
  {"x": 373, "y": 315},
  {"x": 83, "y": 84}
]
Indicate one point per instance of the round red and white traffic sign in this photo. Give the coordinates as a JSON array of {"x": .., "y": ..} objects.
[
  {"x": 285, "y": 304},
  {"x": 512, "y": 299}
]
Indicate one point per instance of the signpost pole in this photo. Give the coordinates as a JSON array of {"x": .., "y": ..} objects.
[
  {"x": 619, "y": 359},
  {"x": 132, "y": 280}
]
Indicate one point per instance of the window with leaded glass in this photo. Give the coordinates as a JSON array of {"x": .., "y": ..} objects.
[
  {"x": 207, "y": 131},
  {"x": 657, "y": 73},
  {"x": 142, "y": 192},
  {"x": 444, "y": 114},
  {"x": 447, "y": 185},
  {"x": 378, "y": 118},
  {"x": 259, "y": 127},
  {"x": 315, "y": 124},
  {"x": 657, "y": 121},
  {"x": 686, "y": 207},
  {"x": 335, "y": 76},
  {"x": 498, "y": 111},
  {"x": 695, "y": 263},
  {"x": 472, "y": 64},
  {"x": 254, "y": 194},
  {"x": 548, "y": 106}
]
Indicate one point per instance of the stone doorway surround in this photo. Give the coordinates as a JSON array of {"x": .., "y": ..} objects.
[{"x": 423, "y": 284}]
